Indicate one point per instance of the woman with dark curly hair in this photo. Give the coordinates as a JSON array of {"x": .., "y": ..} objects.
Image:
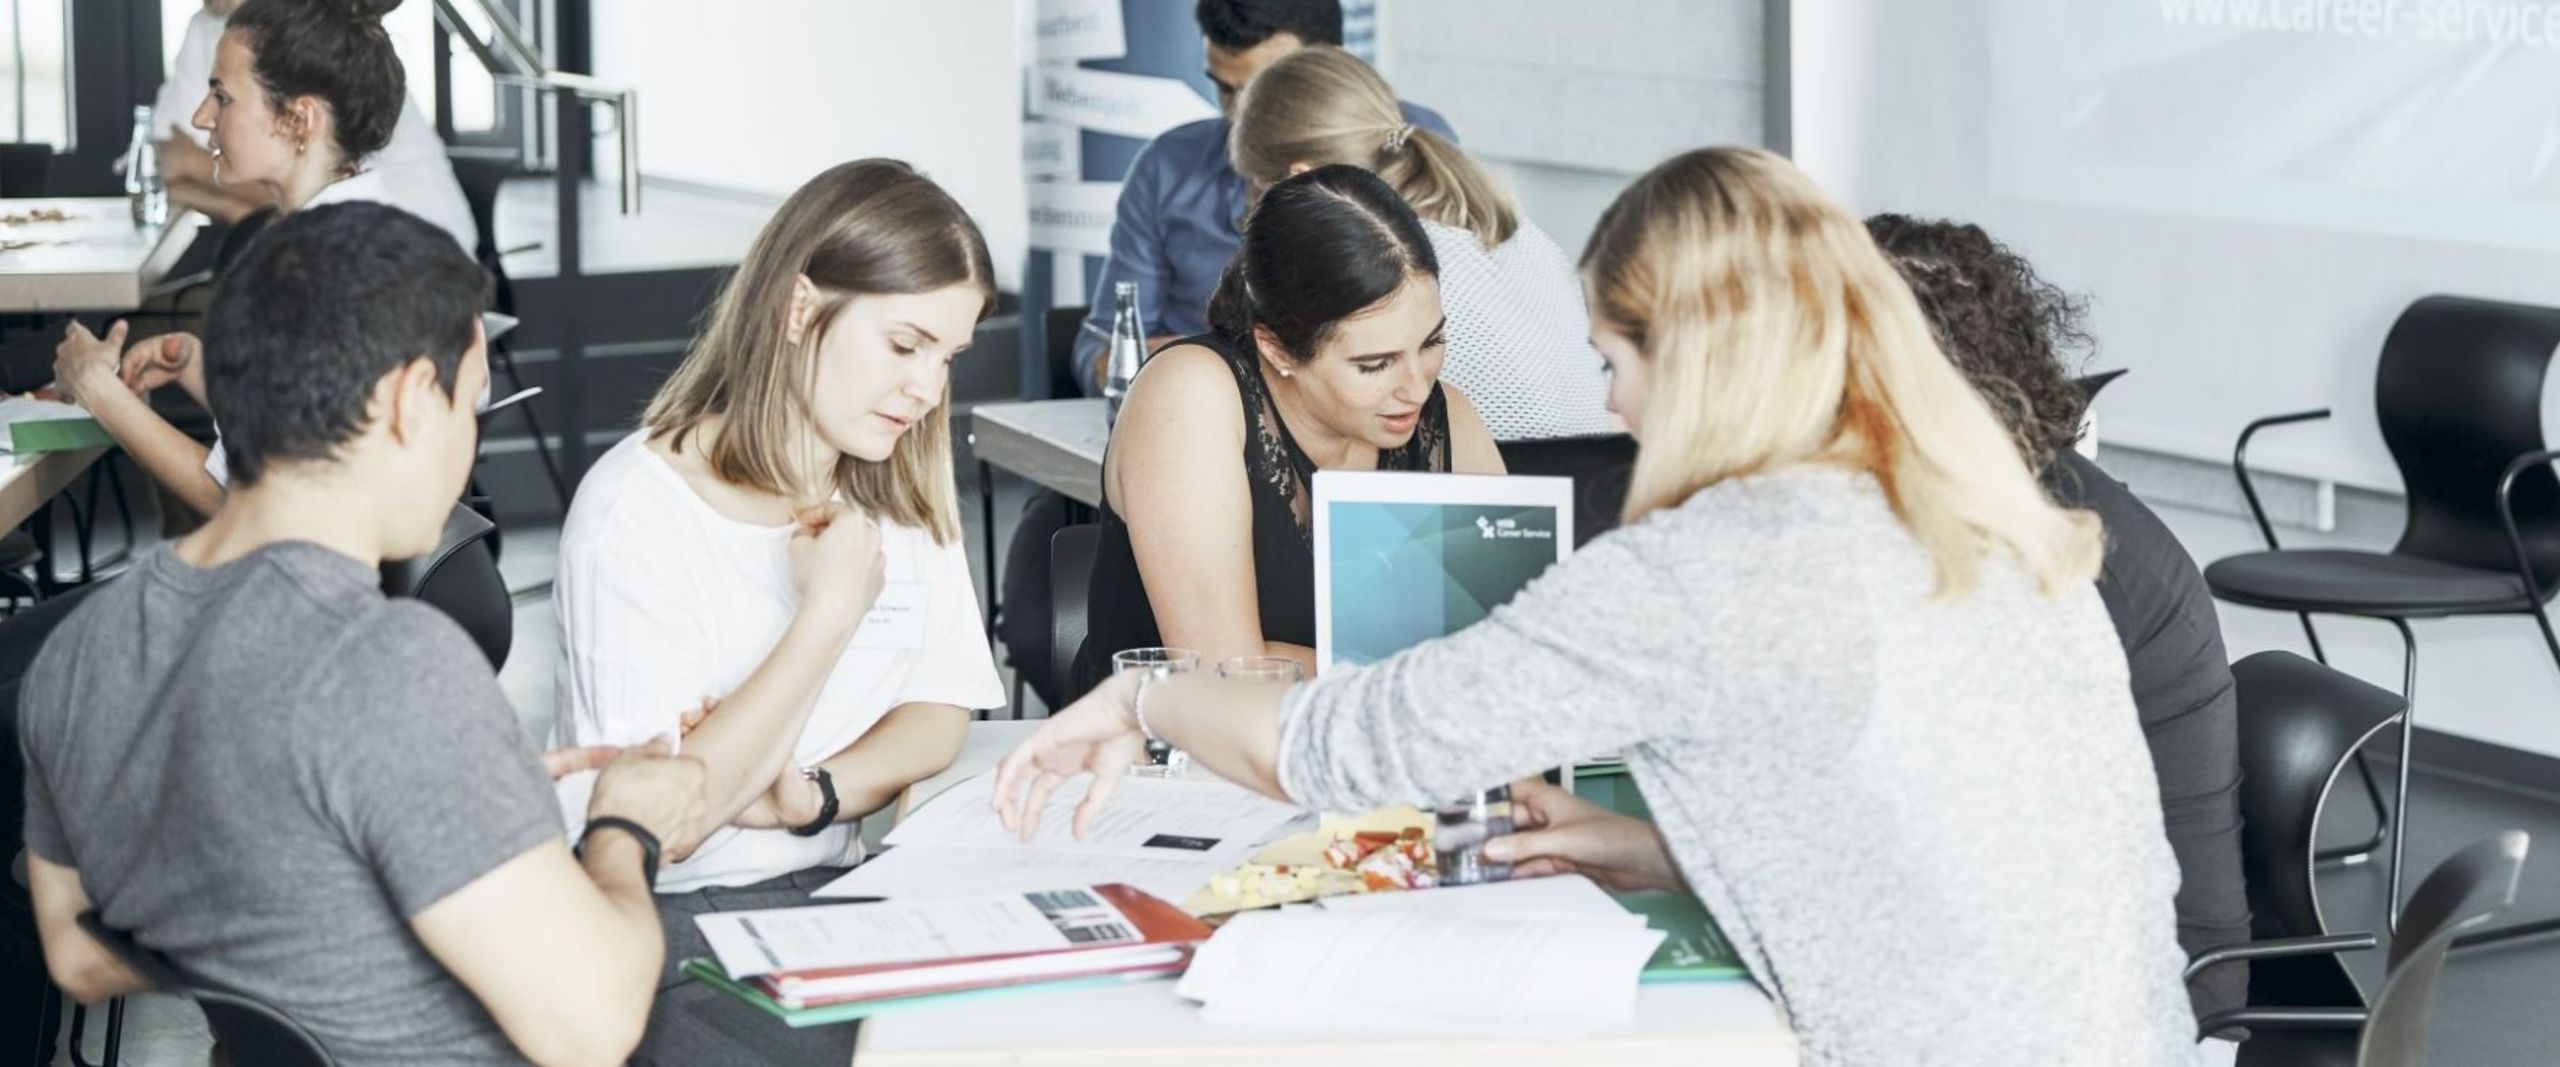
[{"x": 2010, "y": 331}]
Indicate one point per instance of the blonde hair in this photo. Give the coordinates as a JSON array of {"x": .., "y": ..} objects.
[
  {"x": 1774, "y": 332},
  {"x": 869, "y": 227},
  {"x": 1322, "y": 105}
]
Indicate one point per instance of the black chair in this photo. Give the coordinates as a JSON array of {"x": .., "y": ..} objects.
[
  {"x": 461, "y": 579},
  {"x": 1058, "y": 328},
  {"x": 481, "y": 178},
  {"x": 2459, "y": 396},
  {"x": 1023, "y": 617},
  {"x": 2463, "y": 893},
  {"x": 1070, "y": 588},
  {"x": 2092, "y": 384},
  {"x": 2299, "y": 724},
  {"x": 1600, "y": 465},
  {"x": 244, "y": 1031},
  {"x": 26, "y": 170}
]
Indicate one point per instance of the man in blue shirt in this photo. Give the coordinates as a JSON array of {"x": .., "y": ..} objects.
[{"x": 1181, "y": 202}]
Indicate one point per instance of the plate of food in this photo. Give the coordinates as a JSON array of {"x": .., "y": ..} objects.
[{"x": 1383, "y": 851}]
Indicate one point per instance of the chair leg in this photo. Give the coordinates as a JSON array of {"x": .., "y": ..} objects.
[
  {"x": 987, "y": 525},
  {"x": 2408, "y": 732},
  {"x": 2317, "y": 654},
  {"x": 2356, "y": 853},
  {"x": 506, "y": 354}
]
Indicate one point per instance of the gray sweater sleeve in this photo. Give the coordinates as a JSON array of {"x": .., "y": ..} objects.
[{"x": 1581, "y": 663}]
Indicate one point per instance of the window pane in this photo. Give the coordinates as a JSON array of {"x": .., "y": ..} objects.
[{"x": 35, "y": 72}]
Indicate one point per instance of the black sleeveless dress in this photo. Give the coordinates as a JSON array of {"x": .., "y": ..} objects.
[{"x": 1284, "y": 560}]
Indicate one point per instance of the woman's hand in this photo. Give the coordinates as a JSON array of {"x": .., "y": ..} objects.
[
  {"x": 836, "y": 563},
  {"x": 85, "y": 363},
  {"x": 171, "y": 358},
  {"x": 1098, "y": 735},
  {"x": 1561, "y": 833}
]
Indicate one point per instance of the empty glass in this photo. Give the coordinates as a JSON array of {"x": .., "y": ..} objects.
[{"x": 1163, "y": 761}]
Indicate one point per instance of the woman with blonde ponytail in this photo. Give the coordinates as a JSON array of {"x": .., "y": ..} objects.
[
  {"x": 1850, "y": 651},
  {"x": 1516, "y": 327}
]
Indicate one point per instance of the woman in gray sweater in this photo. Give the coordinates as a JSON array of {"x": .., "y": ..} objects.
[{"x": 1848, "y": 646}]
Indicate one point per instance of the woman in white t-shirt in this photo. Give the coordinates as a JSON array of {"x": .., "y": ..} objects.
[
  {"x": 302, "y": 94},
  {"x": 1518, "y": 340},
  {"x": 781, "y": 536}
]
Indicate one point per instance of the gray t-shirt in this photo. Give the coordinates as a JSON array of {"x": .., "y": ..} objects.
[{"x": 265, "y": 769}]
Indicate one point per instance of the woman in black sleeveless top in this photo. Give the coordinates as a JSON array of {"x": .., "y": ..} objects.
[{"x": 1324, "y": 353}]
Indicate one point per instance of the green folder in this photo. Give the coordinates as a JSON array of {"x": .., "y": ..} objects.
[
  {"x": 56, "y": 435},
  {"x": 709, "y": 973},
  {"x": 1694, "y": 950}
]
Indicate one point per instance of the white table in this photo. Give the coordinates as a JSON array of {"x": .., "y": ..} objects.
[
  {"x": 26, "y": 482},
  {"x": 1686, "y": 1024},
  {"x": 93, "y": 261},
  {"x": 1055, "y": 443}
]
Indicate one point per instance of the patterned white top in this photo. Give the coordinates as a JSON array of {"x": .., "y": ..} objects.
[{"x": 1519, "y": 341}]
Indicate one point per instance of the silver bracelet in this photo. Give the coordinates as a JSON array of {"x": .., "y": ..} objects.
[{"x": 1138, "y": 708}]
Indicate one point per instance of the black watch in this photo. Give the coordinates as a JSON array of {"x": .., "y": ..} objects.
[
  {"x": 648, "y": 841},
  {"x": 826, "y": 802}
]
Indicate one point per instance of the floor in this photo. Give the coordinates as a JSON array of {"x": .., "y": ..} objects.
[{"x": 2495, "y": 1004}]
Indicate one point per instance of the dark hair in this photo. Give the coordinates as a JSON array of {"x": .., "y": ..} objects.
[
  {"x": 322, "y": 305},
  {"x": 1236, "y": 25},
  {"x": 1318, "y": 247},
  {"x": 336, "y": 50},
  {"x": 2008, "y": 330}
]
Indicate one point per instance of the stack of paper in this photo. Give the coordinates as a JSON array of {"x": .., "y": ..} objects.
[
  {"x": 35, "y": 426},
  {"x": 1165, "y": 836},
  {"x": 1692, "y": 949},
  {"x": 845, "y": 953},
  {"x": 1477, "y": 964}
]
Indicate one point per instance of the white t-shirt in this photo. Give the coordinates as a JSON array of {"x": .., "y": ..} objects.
[
  {"x": 416, "y": 175},
  {"x": 664, "y": 601},
  {"x": 1519, "y": 340}
]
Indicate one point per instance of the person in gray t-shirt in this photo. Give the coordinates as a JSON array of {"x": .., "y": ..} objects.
[{"x": 248, "y": 759}]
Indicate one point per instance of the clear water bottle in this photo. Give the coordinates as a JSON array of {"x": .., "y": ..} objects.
[
  {"x": 1128, "y": 348},
  {"x": 142, "y": 181}
]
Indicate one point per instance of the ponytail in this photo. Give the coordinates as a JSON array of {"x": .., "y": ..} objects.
[
  {"x": 1445, "y": 185},
  {"x": 1231, "y": 307}
]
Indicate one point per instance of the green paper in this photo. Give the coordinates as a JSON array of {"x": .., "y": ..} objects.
[
  {"x": 1693, "y": 950},
  {"x": 709, "y": 973},
  {"x": 37, "y": 436}
]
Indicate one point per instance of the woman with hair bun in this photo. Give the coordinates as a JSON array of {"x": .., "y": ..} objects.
[{"x": 303, "y": 94}]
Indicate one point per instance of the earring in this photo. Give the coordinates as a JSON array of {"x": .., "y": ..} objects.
[
  {"x": 301, "y": 146},
  {"x": 1286, "y": 372}
]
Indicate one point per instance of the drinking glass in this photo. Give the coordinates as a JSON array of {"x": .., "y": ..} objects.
[{"x": 1150, "y": 664}]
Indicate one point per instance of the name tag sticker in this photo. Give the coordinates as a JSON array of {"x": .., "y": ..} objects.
[{"x": 896, "y": 620}]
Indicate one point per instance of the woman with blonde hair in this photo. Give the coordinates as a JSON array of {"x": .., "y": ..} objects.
[
  {"x": 1516, "y": 342},
  {"x": 1849, "y": 648},
  {"x": 780, "y": 538}
]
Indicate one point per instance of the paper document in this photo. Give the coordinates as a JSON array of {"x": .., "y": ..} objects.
[
  {"x": 940, "y": 870},
  {"x": 1483, "y": 975},
  {"x": 1147, "y": 818},
  {"x": 1567, "y": 896},
  {"x": 779, "y": 940},
  {"x": 17, "y": 409}
]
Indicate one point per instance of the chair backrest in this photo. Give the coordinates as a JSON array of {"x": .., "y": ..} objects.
[
  {"x": 1600, "y": 465},
  {"x": 2466, "y": 891},
  {"x": 2459, "y": 396},
  {"x": 25, "y": 169},
  {"x": 1071, "y": 553},
  {"x": 1023, "y": 619},
  {"x": 2091, "y": 384},
  {"x": 245, "y": 1030},
  {"x": 461, "y": 579},
  {"x": 1058, "y": 327},
  {"x": 2299, "y": 723}
]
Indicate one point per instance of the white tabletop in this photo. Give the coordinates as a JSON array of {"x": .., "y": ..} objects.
[
  {"x": 26, "y": 482},
  {"x": 95, "y": 260},
  {"x": 1724, "y": 1023},
  {"x": 1056, "y": 443}
]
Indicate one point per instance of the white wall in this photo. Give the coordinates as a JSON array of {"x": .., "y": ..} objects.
[
  {"x": 1569, "y": 101},
  {"x": 764, "y": 94},
  {"x": 2219, "y": 322}
]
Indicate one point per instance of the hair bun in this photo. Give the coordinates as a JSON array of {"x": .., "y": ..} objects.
[{"x": 368, "y": 10}]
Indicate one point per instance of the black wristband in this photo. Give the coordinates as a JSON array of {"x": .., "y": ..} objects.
[
  {"x": 648, "y": 842},
  {"x": 826, "y": 802}
]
